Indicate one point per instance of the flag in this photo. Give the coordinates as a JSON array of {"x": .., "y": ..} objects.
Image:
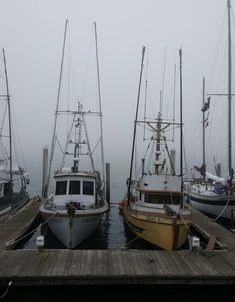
[{"x": 206, "y": 105}]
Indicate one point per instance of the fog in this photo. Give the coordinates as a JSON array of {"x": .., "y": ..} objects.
[{"x": 31, "y": 33}]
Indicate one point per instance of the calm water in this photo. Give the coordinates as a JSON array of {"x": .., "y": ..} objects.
[{"x": 111, "y": 233}]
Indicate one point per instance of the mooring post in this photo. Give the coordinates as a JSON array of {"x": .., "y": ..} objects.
[
  {"x": 44, "y": 168},
  {"x": 232, "y": 219},
  {"x": 107, "y": 185}
]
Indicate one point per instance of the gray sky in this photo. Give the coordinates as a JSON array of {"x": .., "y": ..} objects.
[{"x": 31, "y": 32}]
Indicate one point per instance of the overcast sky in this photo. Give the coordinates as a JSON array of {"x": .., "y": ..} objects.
[{"x": 31, "y": 32}]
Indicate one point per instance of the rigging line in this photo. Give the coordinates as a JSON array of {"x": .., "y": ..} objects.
[
  {"x": 71, "y": 62},
  {"x": 100, "y": 108},
  {"x": 9, "y": 115},
  {"x": 66, "y": 143},
  {"x": 59, "y": 145},
  {"x": 15, "y": 131},
  {"x": 134, "y": 135},
  {"x": 88, "y": 144},
  {"x": 163, "y": 82},
  {"x": 87, "y": 66},
  {"x": 3, "y": 120},
  {"x": 174, "y": 101},
  {"x": 95, "y": 146},
  {"x": 217, "y": 46},
  {"x": 145, "y": 155},
  {"x": 56, "y": 115},
  {"x": 146, "y": 89}
]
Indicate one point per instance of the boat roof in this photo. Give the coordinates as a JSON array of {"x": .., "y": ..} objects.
[
  {"x": 75, "y": 174},
  {"x": 157, "y": 191}
]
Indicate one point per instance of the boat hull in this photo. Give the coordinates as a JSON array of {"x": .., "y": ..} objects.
[
  {"x": 71, "y": 230},
  {"x": 222, "y": 205},
  {"x": 168, "y": 233},
  {"x": 4, "y": 213}
]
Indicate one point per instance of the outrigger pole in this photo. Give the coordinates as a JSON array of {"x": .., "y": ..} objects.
[
  {"x": 45, "y": 189},
  {"x": 100, "y": 109},
  {"x": 9, "y": 116},
  {"x": 135, "y": 123}
]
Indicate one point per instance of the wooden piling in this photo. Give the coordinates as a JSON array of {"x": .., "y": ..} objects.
[
  {"x": 44, "y": 168},
  {"x": 107, "y": 186}
]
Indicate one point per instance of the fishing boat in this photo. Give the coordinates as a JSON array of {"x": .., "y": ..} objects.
[
  {"x": 13, "y": 178},
  {"x": 153, "y": 207},
  {"x": 213, "y": 194},
  {"x": 74, "y": 209}
]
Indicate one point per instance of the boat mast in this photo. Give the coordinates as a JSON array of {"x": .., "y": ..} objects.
[
  {"x": 9, "y": 117},
  {"x": 78, "y": 139},
  {"x": 135, "y": 123},
  {"x": 45, "y": 190},
  {"x": 181, "y": 126},
  {"x": 203, "y": 127},
  {"x": 229, "y": 91},
  {"x": 100, "y": 109}
]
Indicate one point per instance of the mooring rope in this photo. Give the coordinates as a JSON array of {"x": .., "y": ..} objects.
[
  {"x": 34, "y": 230},
  {"x": 222, "y": 210},
  {"x": 6, "y": 290}
]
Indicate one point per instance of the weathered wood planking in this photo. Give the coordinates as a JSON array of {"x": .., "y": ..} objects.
[
  {"x": 222, "y": 235},
  {"x": 64, "y": 267},
  {"x": 18, "y": 223}
]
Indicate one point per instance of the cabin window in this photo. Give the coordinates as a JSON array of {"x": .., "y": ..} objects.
[
  {"x": 88, "y": 188},
  {"x": 61, "y": 187},
  {"x": 74, "y": 187},
  {"x": 162, "y": 198}
]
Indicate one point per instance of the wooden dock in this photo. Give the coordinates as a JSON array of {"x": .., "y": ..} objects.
[{"x": 118, "y": 266}]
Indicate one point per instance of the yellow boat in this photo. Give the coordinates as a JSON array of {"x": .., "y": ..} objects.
[
  {"x": 159, "y": 225},
  {"x": 154, "y": 209}
]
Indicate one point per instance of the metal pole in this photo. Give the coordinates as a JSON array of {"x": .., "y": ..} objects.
[
  {"x": 135, "y": 122},
  {"x": 181, "y": 126},
  {"x": 107, "y": 186},
  {"x": 229, "y": 92},
  {"x": 101, "y": 126},
  {"x": 56, "y": 112},
  {"x": 9, "y": 117},
  {"x": 44, "y": 170},
  {"x": 203, "y": 127}
]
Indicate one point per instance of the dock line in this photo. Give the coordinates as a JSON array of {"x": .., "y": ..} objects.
[
  {"x": 6, "y": 290},
  {"x": 17, "y": 240}
]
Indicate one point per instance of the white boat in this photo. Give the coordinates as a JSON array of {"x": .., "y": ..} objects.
[
  {"x": 213, "y": 194},
  {"x": 153, "y": 207},
  {"x": 75, "y": 208},
  {"x": 13, "y": 179}
]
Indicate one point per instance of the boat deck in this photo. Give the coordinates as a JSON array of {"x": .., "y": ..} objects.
[{"x": 117, "y": 266}]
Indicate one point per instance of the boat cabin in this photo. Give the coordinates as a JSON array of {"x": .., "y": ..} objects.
[{"x": 80, "y": 190}]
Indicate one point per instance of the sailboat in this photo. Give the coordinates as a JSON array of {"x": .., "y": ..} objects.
[
  {"x": 211, "y": 193},
  {"x": 153, "y": 207},
  {"x": 12, "y": 198},
  {"x": 74, "y": 209}
]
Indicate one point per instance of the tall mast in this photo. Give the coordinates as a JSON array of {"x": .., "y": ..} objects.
[
  {"x": 181, "y": 124},
  {"x": 100, "y": 109},
  {"x": 45, "y": 190},
  {"x": 9, "y": 116},
  {"x": 229, "y": 92},
  {"x": 203, "y": 127},
  {"x": 135, "y": 122}
]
